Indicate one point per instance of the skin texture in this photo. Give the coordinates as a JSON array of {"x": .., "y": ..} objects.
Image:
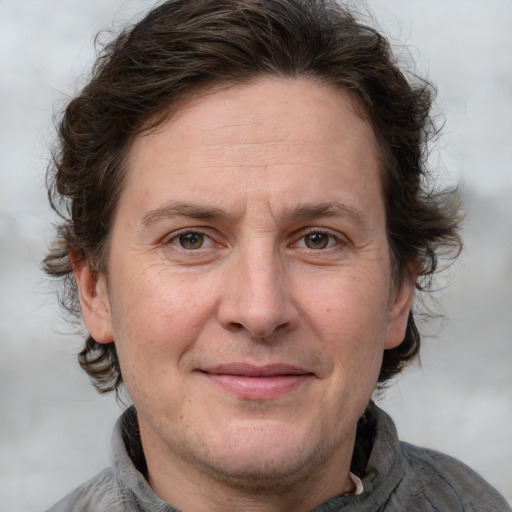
[{"x": 249, "y": 294}]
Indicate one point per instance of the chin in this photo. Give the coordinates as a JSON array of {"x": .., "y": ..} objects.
[
  {"x": 261, "y": 476},
  {"x": 273, "y": 460}
]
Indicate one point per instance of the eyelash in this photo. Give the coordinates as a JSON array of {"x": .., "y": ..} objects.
[
  {"x": 175, "y": 239},
  {"x": 332, "y": 239}
]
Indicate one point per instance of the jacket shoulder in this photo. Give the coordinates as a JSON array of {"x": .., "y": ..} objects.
[
  {"x": 99, "y": 494},
  {"x": 446, "y": 484}
]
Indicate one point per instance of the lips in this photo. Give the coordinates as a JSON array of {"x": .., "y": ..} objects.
[{"x": 253, "y": 382}]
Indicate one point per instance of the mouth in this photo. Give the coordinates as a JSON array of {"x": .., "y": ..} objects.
[{"x": 251, "y": 382}]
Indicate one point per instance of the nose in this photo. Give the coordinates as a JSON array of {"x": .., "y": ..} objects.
[{"x": 257, "y": 296}]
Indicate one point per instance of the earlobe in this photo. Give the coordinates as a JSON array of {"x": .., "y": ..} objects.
[
  {"x": 399, "y": 308},
  {"x": 94, "y": 301}
]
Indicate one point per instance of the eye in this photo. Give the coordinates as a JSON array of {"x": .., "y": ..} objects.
[
  {"x": 191, "y": 240},
  {"x": 318, "y": 240}
]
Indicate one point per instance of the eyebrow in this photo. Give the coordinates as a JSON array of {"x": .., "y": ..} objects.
[
  {"x": 205, "y": 212},
  {"x": 184, "y": 209},
  {"x": 330, "y": 209}
]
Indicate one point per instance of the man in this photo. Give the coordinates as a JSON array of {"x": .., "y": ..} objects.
[{"x": 246, "y": 218}]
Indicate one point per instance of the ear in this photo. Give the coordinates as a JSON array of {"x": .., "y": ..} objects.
[
  {"x": 399, "y": 308},
  {"x": 94, "y": 300}
]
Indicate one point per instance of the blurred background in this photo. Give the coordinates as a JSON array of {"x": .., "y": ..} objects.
[{"x": 54, "y": 428}]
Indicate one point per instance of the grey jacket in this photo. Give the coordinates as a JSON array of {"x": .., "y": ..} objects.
[{"x": 398, "y": 477}]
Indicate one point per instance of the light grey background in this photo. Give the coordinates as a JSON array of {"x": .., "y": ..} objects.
[{"x": 54, "y": 429}]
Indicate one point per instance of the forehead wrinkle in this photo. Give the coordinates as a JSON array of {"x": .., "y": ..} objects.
[
  {"x": 255, "y": 144},
  {"x": 261, "y": 155}
]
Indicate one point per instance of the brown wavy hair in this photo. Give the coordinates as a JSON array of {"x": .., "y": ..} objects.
[{"x": 182, "y": 46}]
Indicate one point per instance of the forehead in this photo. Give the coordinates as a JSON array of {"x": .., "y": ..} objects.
[
  {"x": 211, "y": 111},
  {"x": 276, "y": 136}
]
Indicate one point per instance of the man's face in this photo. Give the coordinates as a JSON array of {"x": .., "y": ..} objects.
[{"x": 249, "y": 289}]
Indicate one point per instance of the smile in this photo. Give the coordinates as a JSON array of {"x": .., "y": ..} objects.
[{"x": 251, "y": 382}]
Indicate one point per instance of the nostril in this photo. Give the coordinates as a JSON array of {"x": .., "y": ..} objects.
[{"x": 235, "y": 326}]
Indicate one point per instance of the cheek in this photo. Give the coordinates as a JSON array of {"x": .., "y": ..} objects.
[
  {"x": 155, "y": 321},
  {"x": 347, "y": 302},
  {"x": 351, "y": 319}
]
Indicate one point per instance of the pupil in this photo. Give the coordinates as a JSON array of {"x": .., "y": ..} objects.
[
  {"x": 191, "y": 240},
  {"x": 317, "y": 241}
]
